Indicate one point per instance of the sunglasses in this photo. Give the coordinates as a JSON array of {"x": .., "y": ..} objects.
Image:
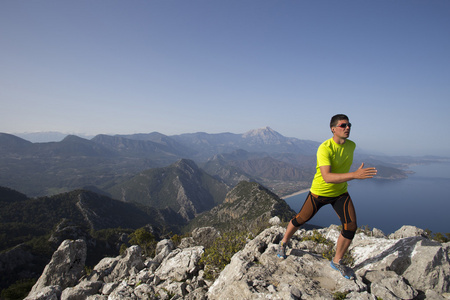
[{"x": 344, "y": 125}]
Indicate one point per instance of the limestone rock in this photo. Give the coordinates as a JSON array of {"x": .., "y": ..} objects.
[
  {"x": 256, "y": 272},
  {"x": 81, "y": 291},
  {"x": 52, "y": 292},
  {"x": 410, "y": 267},
  {"x": 133, "y": 262},
  {"x": 429, "y": 267},
  {"x": 407, "y": 231},
  {"x": 179, "y": 264},
  {"x": 64, "y": 269},
  {"x": 163, "y": 248},
  {"x": 389, "y": 285},
  {"x": 274, "y": 221},
  {"x": 104, "y": 268}
]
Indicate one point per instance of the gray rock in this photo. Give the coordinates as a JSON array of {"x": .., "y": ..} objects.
[
  {"x": 123, "y": 291},
  {"x": 422, "y": 262},
  {"x": 407, "y": 231},
  {"x": 378, "y": 233},
  {"x": 52, "y": 292},
  {"x": 180, "y": 264},
  {"x": 104, "y": 268},
  {"x": 145, "y": 291},
  {"x": 97, "y": 297},
  {"x": 432, "y": 295},
  {"x": 82, "y": 290},
  {"x": 108, "y": 288},
  {"x": 197, "y": 294},
  {"x": 399, "y": 268},
  {"x": 389, "y": 285},
  {"x": 163, "y": 248},
  {"x": 256, "y": 272},
  {"x": 64, "y": 269},
  {"x": 361, "y": 296},
  {"x": 429, "y": 267},
  {"x": 274, "y": 221},
  {"x": 173, "y": 288},
  {"x": 132, "y": 262}
]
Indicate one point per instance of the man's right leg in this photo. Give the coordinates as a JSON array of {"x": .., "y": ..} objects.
[{"x": 308, "y": 210}]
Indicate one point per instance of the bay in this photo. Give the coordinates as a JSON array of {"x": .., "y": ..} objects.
[{"x": 421, "y": 200}]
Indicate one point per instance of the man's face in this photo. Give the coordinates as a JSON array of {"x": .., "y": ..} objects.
[{"x": 342, "y": 129}]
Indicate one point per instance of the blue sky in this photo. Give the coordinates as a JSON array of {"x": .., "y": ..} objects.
[{"x": 230, "y": 66}]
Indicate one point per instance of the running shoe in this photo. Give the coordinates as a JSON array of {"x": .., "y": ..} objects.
[
  {"x": 345, "y": 271},
  {"x": 281, "y": 253}
]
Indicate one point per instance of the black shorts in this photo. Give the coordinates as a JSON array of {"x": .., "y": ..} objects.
[{"x": 342, "y": 205}]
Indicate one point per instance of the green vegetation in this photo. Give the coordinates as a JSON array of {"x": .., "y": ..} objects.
[
  {"x": 318, "y": 238},
  {"x": 340, "y": 295},
  {"x": 219, "y": 254},
  {"x": 329, "y": 251},
  {"x": 159, "y": 187},
  {"x": 439, "y": 237},
  {"x": 145, "y": 240},
  {"x": 248, "y": 207},
  {"x": 18, "y": 290}
]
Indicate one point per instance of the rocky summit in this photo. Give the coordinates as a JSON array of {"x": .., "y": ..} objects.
[{"x": 404, "y": 265}]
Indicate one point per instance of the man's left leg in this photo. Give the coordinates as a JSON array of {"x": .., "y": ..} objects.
[
  {"x": 346, "y": 212},
  {"x": 341, "y": 247}
]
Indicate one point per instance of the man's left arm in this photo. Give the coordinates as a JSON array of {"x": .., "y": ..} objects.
[{"x": 360, "y": 173}]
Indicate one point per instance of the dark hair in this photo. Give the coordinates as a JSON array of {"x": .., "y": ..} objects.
[{"x": 336, "y": 118}]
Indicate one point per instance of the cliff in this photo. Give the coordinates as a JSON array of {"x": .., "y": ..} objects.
[{"x": 405, "y": 265}]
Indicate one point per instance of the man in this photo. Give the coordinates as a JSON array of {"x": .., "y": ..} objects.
[{"x": 329, "y": 186}]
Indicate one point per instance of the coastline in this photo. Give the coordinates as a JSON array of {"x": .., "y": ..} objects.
[{"x": 296, "y": 193}]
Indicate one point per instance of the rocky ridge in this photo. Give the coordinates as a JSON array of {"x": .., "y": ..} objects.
[
  {"x": 248, "y": 206},
  {"x": 404, "y": 265}
]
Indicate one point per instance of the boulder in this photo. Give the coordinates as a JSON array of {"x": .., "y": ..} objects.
[
  {"x": 407, "y": 231},
  {"x": 389, "y": 285},
  {"x": 163, "y": 248},
  {"x": 132, "y": 262},
  {"x": 64, "y": 269},
  {"x": 180, "y": 264},
  {"x": 429, "y": 267},
  {"x": 82, "y": 290},
  {"x": 274, "y": 221},
  {"x": 104, "y": 268}
]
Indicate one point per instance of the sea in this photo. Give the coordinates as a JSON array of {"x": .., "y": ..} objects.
[{"x": 421, "y": 200}]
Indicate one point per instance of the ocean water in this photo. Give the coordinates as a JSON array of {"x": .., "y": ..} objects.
[{"x": 422, "y": 200}]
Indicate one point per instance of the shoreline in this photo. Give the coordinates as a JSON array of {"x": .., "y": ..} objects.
[{"x": 296, "y": 193}]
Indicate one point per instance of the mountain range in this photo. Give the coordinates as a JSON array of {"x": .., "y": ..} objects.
[{"x": 284, "y": 165}]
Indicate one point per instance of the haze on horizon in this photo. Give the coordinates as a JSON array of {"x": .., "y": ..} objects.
[{"x": 230, "y": 66}]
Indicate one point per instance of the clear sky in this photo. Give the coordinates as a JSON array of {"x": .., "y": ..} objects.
[{"x": 178, "y": 66}]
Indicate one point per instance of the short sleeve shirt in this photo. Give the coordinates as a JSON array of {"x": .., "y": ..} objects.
[{"x": 340, "y": 158}]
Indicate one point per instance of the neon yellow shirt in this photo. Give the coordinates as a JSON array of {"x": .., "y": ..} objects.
[{"x": 340, "y": 158}]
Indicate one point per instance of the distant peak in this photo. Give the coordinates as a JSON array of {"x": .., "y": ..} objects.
[{"x": 265, "y": 131}]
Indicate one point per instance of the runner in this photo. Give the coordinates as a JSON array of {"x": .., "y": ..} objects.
[{"x": 329, "y": 186}]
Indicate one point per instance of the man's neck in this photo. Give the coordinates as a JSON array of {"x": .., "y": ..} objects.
[{"x": 339, "y": 140}]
